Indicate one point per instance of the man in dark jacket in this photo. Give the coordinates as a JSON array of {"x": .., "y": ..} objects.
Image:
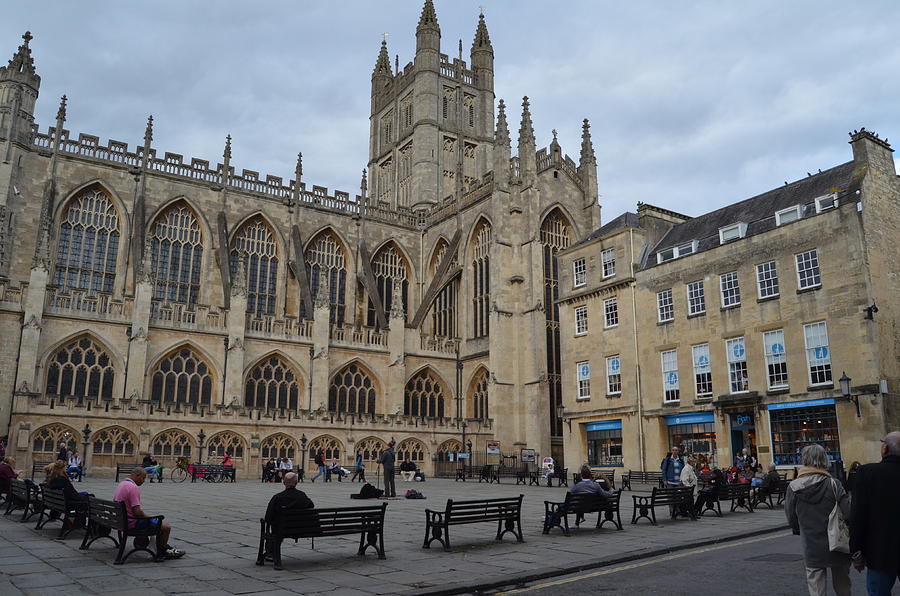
[
  {"x": 63, "y": 454},
  {"x": 387, "y": 460},
  {"x": 875, "y": 520},
  {"x": 289, "y": 498},
  {"x": 671, "y": 467}
]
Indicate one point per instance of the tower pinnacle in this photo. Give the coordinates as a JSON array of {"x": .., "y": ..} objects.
[
  {"x": 148, "y": 133},
  {"x": 502, "y": 134},
  {"x": 429, "y": 17},
  {"x": 587, "y": 146},
  {"x": 383, "y": 62},
  {"x": 21, "y": 66},
  {"x": 482, "y": 38},
  {"x": 526, "y": 129}
]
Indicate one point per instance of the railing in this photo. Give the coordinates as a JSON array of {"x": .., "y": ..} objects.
[
  {"x": 12, "y": 295},
  {"x": 435, "y": 343},
  {"x": 177, "y": 314},
  {"x": 63, "y": 300},
  {"x": 268, "y": 326},
  {"x": 365, "y": 336}
]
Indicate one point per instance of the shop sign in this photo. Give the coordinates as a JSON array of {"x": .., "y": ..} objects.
[
  {"x": 493, "y": 447},
  {"x": 810, "y": 403},
  {"x": 698, "y": 418},
  {"x": 604, "y": 425}
]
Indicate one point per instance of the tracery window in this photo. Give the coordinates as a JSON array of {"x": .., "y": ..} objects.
[
  {"x": 278, "y": 445},
  {"x": 412, "y": 449},
  {"x": 171, "y": 443},
  {"x": 352, "y": 391},
  {"x": 447, "y": 447},
  {"x": 80, "y": 368},
  {"x": 424, "y": 395},
  {"x": 272, "y": 384},
  {"x": 328, "y": 444},
  {"x": 176, "y": 250},
  {"x": 443, "y": 309},
  {"x": 325, "y": 256},
  {"x": 225, "y": 442},
  {"x": 182, "y": 377},
  {"x": 478, "y": 395},
  {"x": 45, "y": 441},
  {"x": 114, "y": 440},
  {"x": 556, "y": 234},
  {"x": 371, "y": 448},
  {"x": 88, "y": 243},
  {"x": 481, "y": 280},
  {"x": 388, "y": 265},
  {"x": 257, "y": 243}
]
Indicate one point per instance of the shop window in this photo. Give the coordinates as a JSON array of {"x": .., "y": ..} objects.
[
  {"x": 793, "y": 428},
  {"x": 695, "y": 439},
  {"x": 605, "y": 447}
]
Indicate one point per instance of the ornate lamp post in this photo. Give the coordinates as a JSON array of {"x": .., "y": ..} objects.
[
  {"x": 86, "y": 432},
  {"x": 847, "y": 393},
  {"x": 201, "y": 436},
  {"x": 302, "y": 466}
]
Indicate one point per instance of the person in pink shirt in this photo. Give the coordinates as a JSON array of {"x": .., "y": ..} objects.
[{"x": 129, "y": 492}]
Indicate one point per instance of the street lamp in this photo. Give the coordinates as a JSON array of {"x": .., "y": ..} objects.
[
  {"x": 560, "y": 414},
  {"x": 846, "y": 392},
  {"x": 201, "y": 436},
  {"x": 86, "y": 431},
  {"x": 303, "y": 441}
]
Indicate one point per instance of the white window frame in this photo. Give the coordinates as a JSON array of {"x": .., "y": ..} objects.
[
  {"x": 608, "y": 262},
  {"x": 767, "y": 280},
  {"x": 815, "y": 338},
  {"x": 826, "y": 202},
  {"x": 681, "y": 250},
  {"x": 614, "y": 375},
  {"x": 816, "y": 269},
  {"x": 697, "y": 297},
  {"x": 780, "y": 215},
  {"x": 581, "y": 320},
  {"x": 579, "y": 272},
  {"x": 738, "y": 229},
  {"x": 737, "y": 366},
  {"x": 776, "y": 354},
  {"x": 611, "y": 313},
  {"x": 669, "y": 363},
  {"x": 697, "y": 352},
  {"x": 734, "y": 291},
  {"x": 665, "y": 305},
  {"x": 584, "y": 384}
]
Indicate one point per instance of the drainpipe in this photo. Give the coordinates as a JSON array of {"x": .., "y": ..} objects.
[{"x": 637, "y": 360}]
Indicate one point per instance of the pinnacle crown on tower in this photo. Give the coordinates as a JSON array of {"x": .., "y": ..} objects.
[
  {"x": 21, "y": 66},
  {"x": 383, "y": 62},
  {"x": 502, "y": 134},
  {"x": 482, "y": 37},
  {"x": 526, "y": 129},
  {"x": 428, "y": 19},
  {"x": 587, "y": 145}
]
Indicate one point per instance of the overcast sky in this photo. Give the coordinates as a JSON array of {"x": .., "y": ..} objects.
[{"x": 694, "y": 105}]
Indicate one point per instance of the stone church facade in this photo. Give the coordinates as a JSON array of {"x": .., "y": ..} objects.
[{"x": 152, "y": 303}]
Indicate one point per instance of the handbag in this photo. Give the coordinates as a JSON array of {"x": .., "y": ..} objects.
[{"x": 838, "y": 530}]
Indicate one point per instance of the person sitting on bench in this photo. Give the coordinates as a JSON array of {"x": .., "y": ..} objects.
[
  {"x": 407, "y": 470},
  {"x": 154, "y": 470},
  {"x": 586, "y": 486},
  {"x": 74, "y": 469},
  {"x": 289, "y": 498},
  {"x": 269, "y": 471},
  {"x": 336, "y": 470},
  {"x": 129, "y": 492}
]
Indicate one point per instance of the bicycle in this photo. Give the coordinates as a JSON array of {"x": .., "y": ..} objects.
[{"x": 179, "y": 472}]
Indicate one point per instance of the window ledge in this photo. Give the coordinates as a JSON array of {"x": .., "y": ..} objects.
[
  {"x": 731, "y": 307},
  {"x": 672, "y": 404},
  {"x": 582, "y": 334},
  {"x": 579, "y": 399},
  {"x": 703, "y": 399},
  {"x": 666, "y": 322},
  {"x": 768, "y": 298},
  {"x": 697, "y": 314},
  {"x": 820, "y": 386},
  {"x": 778, "y": 391},
  {"x": 613, "y": 395},
  {"x": 605, "y": 277},
  {"x": 809, "y": 289},
  {"x": 744, "y": 392},
  {"x": 611, "y": 327},
  {"x": 576, "y": 286}
]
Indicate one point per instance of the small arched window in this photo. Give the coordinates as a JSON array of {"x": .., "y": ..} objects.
[
  {"x": 182, "y": 377},
  {"x": 176, "y": 249},
  {"x": 80, "y": 368},
  {"x": 46, "y": 440},
  {"x": 352, "y": 391},
  {"x": 272, "y": 384},
  {"x": 424, "y": 395},
  {"x": 331, "y": 447},
  {"x": 88, "y": 243},
  {"x": 114, "y": 441},
  {"x": 478, "y": 395},
  {"x": 256, "y": 241},
  {"x": 481, "y": 279},
  {"x": 388, "y": 266},
  {"x": 443, "y": 309},
  {"x": 325, "y": 256}
]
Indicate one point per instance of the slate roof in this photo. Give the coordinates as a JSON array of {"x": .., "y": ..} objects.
[
  {"x": 627, "y": 219},
  {"x": 758, "y": 212}
]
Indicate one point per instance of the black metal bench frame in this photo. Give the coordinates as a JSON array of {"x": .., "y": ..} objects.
[
  {"x": 507, "y": 512},
  {"x": 579, "y": 505},
  {"x": 106, "y": 516},
  {"x": 561, "y": 476},
  {"x": 217, "y": 471},
  {"x": 127, "y": 468},
  {"x": 55, "y": 501},
  {"x": 779, "y": 490},
  {"x": 642, "y": 478},
  {"x": 738, "y": 494},
  {"x": 368, "y": 522},
  {"x": 21, "y": 495},
  {"x": 39, "y": 467},
  {"x": 609, "y": 474},
  {"x": 680, "y": 498}
]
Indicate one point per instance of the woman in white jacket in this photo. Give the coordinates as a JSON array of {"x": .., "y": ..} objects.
[{"x": 688, "y": 475}]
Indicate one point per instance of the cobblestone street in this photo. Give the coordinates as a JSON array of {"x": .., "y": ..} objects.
[{"x": 218, "y": 526}]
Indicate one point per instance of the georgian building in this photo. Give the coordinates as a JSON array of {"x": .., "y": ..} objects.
[
  {"x": 733, "y": 329},
  {"x": 155, "y": 303}
]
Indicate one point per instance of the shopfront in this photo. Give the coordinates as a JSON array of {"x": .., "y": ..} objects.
[
  {"x": 604, "y": 439},
  {"x": 694, "y": 433},
  {"x": 798, "y": 424}
]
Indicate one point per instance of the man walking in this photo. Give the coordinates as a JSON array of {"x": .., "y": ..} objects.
[
  {"x": 671, "y": 467},
  {"x": 320, "y": 463},
  {"x": 387, "y": 460},
  {"x": 875, "y": 519}
]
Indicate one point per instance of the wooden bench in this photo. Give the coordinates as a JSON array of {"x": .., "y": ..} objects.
[
  {"x": 55, "y": 502},
  {"x": 467, "y": 471},
  {"x": 507, "y": 512},
  {"x": 487, "y": 474},
  {"x": 738, "y": 494},
  {"x": 556, "y": 515},
  {"x": 777, "y": 491},
  {"x": 106, "y": 516},
  {"x": 561, "y": 475},
  {"x": 597, "y": 474},
  {"x": 368, "y": 522},
  {"x": 39, "y": 467},
  {"x": 24, "y": 497},
  {"x": 212, "y": 473},
  {"x": 680, "y": 498},
  {"x": 126, "y": 468},
  {"x": 641, "y": 477}
]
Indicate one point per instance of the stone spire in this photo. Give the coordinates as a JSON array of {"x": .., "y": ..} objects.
[
  {"x": 526, "y": 128},
  {"x": 428, "y": 39},
  {"x": 226, "y": 161},
  {"x": 363, "y": 186},
  {"x": 428, "y": 19},
  {"x": 527, "y": 159},
  {"x": 21, "y": 67},
  {"x": 61, "y": 113},
  {"x": 587, "y": 146},
  {"x": 502, "y": 135},
  {"x": 383, "y": 62},
  {"x": 482, "y": 37},
  {"x": 148, "y": 141},
  {"x": 298, "y": 169}
]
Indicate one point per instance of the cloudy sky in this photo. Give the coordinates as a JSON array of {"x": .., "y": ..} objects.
[{"x": 694, "y": 104}]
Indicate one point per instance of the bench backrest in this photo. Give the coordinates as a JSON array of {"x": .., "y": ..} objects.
[
  {"x": 672, "y": 495},
  {"x": 55, "y": 499},
  {"x": 780, "y": 486},
  {"x": 330, "y": 521},
  {"x": 19, "y": 490},
  {"x": 39, "y": 466},
  {"x": 472, "y": 510},
  {"x": 110, "y": 514},
  {"x": 728, "y": 491},
  {"x": 589, "y": 502}
]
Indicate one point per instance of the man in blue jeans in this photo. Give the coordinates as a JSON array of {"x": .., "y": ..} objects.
[
  {"x": 320, "y": 462},
  {"x": 671, "y": 467},
  {"x": 875, "y": 519}
]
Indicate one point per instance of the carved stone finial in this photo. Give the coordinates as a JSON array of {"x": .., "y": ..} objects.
[
  {"x": 298, "y": 169},
  {"x": 383, "y": 62},
  {"x": 428, "y": 19},
  {"x": 397, "y": 311},
  {"x": 227, "y": 152},
  {"x": 146, "y": 275},
  {"x": 526, "y": 129},
  {"x": 587, "y": 146},
  {"x": 502, "y": 134},
  {"x": 322, "y": 298},
  {"x": 61, "y": 113},
  {"x": 482, "y": 38},
  {"x": 21, "y": 66},
  {"x": 239, "y": 279},
  {"x": 148, "y": 133},
  {"x": 363, "y": 185}
]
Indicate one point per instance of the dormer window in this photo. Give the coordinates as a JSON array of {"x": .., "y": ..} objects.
[
  {"x": 732, "y": 232},
  {"x": 787, "y": 215},
  {"x": 826, "y": 202},
  {"x": 676, "y": 251}
]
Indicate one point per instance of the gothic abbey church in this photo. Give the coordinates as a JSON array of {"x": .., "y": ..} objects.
[{"x": 152, "y": 303}]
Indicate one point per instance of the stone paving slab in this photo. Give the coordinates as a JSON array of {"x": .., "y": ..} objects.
[{"x": 218, "y": 525}]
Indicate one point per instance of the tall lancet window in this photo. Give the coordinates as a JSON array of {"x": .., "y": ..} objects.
[
  {"x": 88, "y": 243},
  {"x": 388, "y": 265},
  {"x": 256, "y": 241},
  {"x": 481, "y": 279},
  {"x": 176, "y": 249},
  {"x": 325, "y": 256},
  {"x": 556, "y": 234},
  {"x": 443, "y": 309}
]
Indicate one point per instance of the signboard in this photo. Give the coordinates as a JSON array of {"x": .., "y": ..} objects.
[
  {"x": 493, "y": 447},
  {"x": 462, "y": 456},
  {"x": 604, "y": 425},
  {"x": 584, "y": 372},
  {"x": 738, "y": 350},
  {"x": 528, "y": 456},
  {"x": 698, "y": 418},
  {"x": 811, "y": 403}
]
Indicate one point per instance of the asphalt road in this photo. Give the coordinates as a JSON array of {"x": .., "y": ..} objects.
[{"x": 771, "y": 564}]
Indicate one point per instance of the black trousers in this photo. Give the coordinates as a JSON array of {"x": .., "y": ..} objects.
[
  {"x": 361, "y": 473},
  {"x": 389, "y": 489}
]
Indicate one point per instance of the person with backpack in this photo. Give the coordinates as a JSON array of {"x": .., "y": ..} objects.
[{"x": 320, "y": 463}]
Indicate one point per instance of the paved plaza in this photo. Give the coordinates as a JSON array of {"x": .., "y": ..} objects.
[{"x": 218, "y": 526}]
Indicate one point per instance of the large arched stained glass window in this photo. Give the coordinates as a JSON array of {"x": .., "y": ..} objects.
[
  {"x": 352, "y": 391},
  {"x": 388, "y": 265},
  {"x": 272, "y": 384},
  {"x": 256, "y": 241},
  {"x": 424, "y": 395},
  {"x": 325, "y": 256},
  {"x": 171, "y": 443},
  {"x": 556, "y": 234},
  {"x": 443, "y": 309},
  {"x": 88, "y": 243},
  {"x": 478, "y": 395},
  {"x": 80, "y": 368},
  {"x": 481, "y": 279},
  {"x": 278, "y": 445},
  {"x": 182, "y": 377},
  {"x": 46, "y": 440},
  {"x": 176, "y": 249}
]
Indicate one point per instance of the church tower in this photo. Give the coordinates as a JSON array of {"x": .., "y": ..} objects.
[
  {"x": 431, "y": 124},
  {"x": 19, "y": 86}
]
